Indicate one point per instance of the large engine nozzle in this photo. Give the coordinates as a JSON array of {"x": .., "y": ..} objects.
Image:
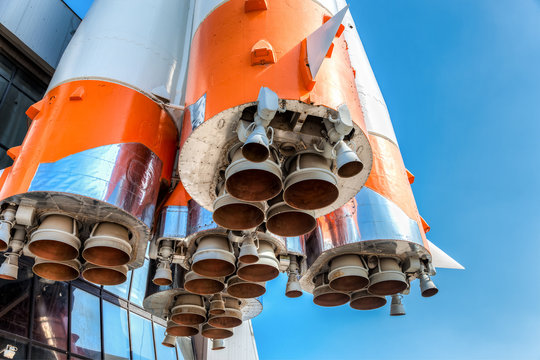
[
  {"x": 348, "y": 273},
  {"x": 101, "y": 275},
  {"x": 387, "y": 278},
  {"x": 175, "y": 329},
  {"x": 265, "y": 269},
  {"x": 56, "y": 239},
  {"x": 108, "y": 245},
  {"x": 210, "y": 332},
  {"x": 234, "y": 214},
  {"x": 324, "y": 295},
  {"x": 310, "y": 184},
  {"x": 203, "y": 285},
  {"x": 214, "y": 257},
  {"x": 363, "y": 300},
  {"x": 188, "y": 310},
  {"x": 232, "y": 317},
  {"x": 57, "y": 270},
  {"x": 284, "y": 220},
  {"x": 244, "y": 289}
]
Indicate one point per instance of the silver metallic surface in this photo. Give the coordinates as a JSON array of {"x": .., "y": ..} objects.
[
  {"x": 197, "y": 112},
  {"x": 173, "y": 223},
  {"x": 368, "y": 225},
  {"x": 117, "y": 183},
  {"x": 213, "y": 138}
]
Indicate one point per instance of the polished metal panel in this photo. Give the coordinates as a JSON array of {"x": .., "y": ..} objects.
[
  {"x": 296, "y": 244},
  {"x": 44, "y": 26},
  {"x": 197, "y": 112},
  {"x": 173, "y": 223},
  {"x": 369, "y": 224},
  {"x": 200, "y": 219},
  {"x": 123, "y": 175}
]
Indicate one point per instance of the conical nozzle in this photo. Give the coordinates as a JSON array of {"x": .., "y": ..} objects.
[
  {"x": 203, "y": 285},
  {"x": 163, "y": 276},
  {"x": 218, "y": 344},
  {"x": 347, "y": 162},
  {"x": 293, "y": 289},
  {"x": 248, "y": 251},
  {"x": 57, "y": 270},
  {"x": 169, "y": 341},
  {"x": 10, "y": 267},
  {"x": 56, "y": 239},
  {"x": 213, "y": 257},
  {"x": 265, "y": 269},
  {"x": 256, "y": 147},
  {"x": 108, "y": 245},
  {"x": 427, "y": 287},
  {"x": 396, "y": 307}
]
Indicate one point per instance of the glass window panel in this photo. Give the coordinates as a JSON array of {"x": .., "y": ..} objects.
[
  {"x": 12, "y": 349},
  {"x": 121, "y": 290},
  {"x": 138, "y": 285},
  {"x": 142, "y": 344},
  {"x": 15, "y": 303},
  {"x": 47, "y": 354},
  {"x": 162, "y": 352},
  {"x": 13, "y": 121},
  {"x": 115, "y": 332},
  {"x": 51, "y": 314},
  {"x": 85, "y": 324},
  {"x": 28, "y": 85},
  {"x": 6, "y": 67},
  {"x": 3, "y": 86}
]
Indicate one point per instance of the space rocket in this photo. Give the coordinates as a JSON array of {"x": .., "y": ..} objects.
[{"x": 228, "y": 141}]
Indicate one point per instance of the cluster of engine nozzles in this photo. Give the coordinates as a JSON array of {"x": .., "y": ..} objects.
[
  {"x": 349, "y": 279},
  {"x": 214, "y": 267},
  {"x": 255, "y": 176},
  {"x": 56, "y": 246},
  {"x": 214, "y": 319}
]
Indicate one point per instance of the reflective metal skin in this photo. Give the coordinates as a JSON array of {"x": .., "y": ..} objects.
[
  {"x": 284, "y": 220},
  {"x": 324, "y": 295},
  {"x": 252, "y": 181},
  {"x": 363, "y": 300},
  {"x": 310, "y": 184},
  {"x": 173, "y": 222},
  {"x": 213, "y": 257},
  {"x": 348, "y": 273},
  {"x": 101, "y": 275},
  {"x": 56, "y": 239},
  {"x": 108, "y": 245},
  {"x": 189, "y": 310},
  {"x": 203, "y": 285},
  {"x": 244, "y": 289},
  {"x": 57, "y": 270},
  {"x": 232, "y": 317},
  {"x": 265, "y": 269},
  {"x": 387, "y": 278}
]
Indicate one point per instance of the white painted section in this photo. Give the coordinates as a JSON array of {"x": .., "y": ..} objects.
[
  {"x": 329, "y": 5},
  {"x": 441, "y": 259},
  {"x": 203, "y": 8},
  {"x": 241, "y": 346},
  {"x": 44, "y": 26},
  {"x": 374, "y": 108},
  {"x": 138, "y": 43}
]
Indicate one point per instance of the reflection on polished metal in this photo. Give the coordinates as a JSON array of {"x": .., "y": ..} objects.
[
  {"x": 232, "y": 317},
  {"x": 169, "y": 341},
  {"x": 266, "y": 269},
  {"x": 347, "y": 162},
  {"x": 203, "y": 285},
  {"x": 101, "y": 275},
  {"x": 208, "y": 331},
  {"x": 218, "y": 344},
  {"x": 284, "y": 220},
  {"x": 10, "y": 267},
  {"x": 188, "y": 310},
  {"x": 214, "y": 257},
  {"x": 310, "y": 184},
  {"x": 387, "y": 278},
  {"x": 217, "y": 305},
  {"x": 248, "y": 250},
  {"x": 108, "y": 245},
  {"x": 6, "y": 223},
  {"x": 293, "y": 289},
  {"x": 363, "y": 300},
  {"x": 396, "y": 307},
  {"x": 175, "y": 329},
  {"x": 324, "y": 295},
  {"x": 163, "y": 276},
  {"x": 427, "y": 287},
  {"x": 234, "y": 214},
  {"x": 348, "y": 273},
  {"x": 253, "y": 181},
  {"x": 244, "y": 289},
  {"x": 57, "y": 270},
  {"x": 56, "y": 239},
  {"x": 256, "y": 148}
]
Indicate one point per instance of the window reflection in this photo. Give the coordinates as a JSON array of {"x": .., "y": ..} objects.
[
  {"x": 162, "y": 352},
  {"x": 46, "y": 354},
  {"x": 121, "y": 290},
  {"x": 11, "y": 347},
  {"x": 15, "y": 303},
  {"x": 142, "y": 345},
  {"x": 115, "y": 332},
  {"x": 138, "y": 285},
  {"x": 51, "y": 313},
  {"x": 85, "y": 325}
]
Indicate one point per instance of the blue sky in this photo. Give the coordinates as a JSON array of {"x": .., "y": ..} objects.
[{"x": 461, "y": 79}]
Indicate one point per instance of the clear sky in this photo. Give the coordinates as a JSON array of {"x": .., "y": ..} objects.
[{"x": 461, "y": 79}]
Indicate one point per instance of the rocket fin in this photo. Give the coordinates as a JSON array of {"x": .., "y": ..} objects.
[
  {"x": 441, "y": 259},
  {"x": 319, "y": 42}
]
